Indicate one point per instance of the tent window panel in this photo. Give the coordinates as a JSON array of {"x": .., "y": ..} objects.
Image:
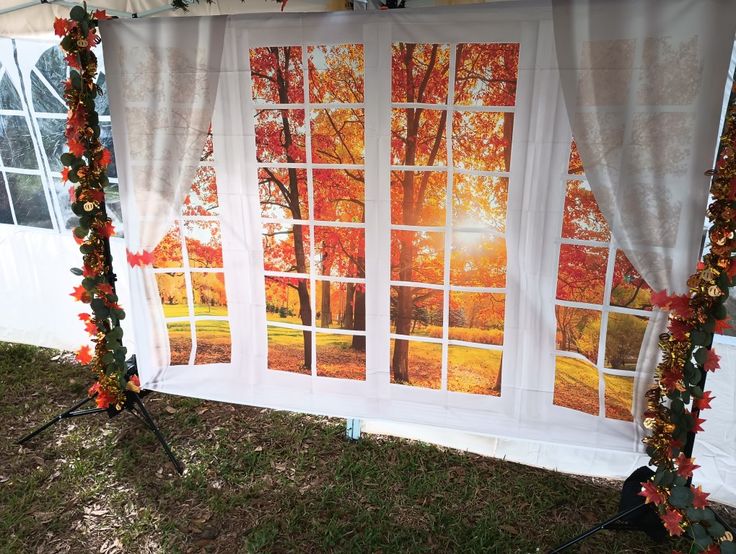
[
  {"x": 29, "y": 200},
  {"x": 576, "y": 385},
  {"x": 52, "y": 66},
  {"x": 106, "y": 140},
  {"x": 43, "y": 99},
  {"x": 213, "y": 342},
  {"x": 619, "y": 396},
  {"x": 416, "y": 363},
  {"x": 9, "y": 98},
  {"x": 426, "y": 313},
  {"x": 102, "y": 103},
  {"x": 277, "y": 74},
  {"x": 6, "y": 214},
  {"x": 341, "y": 356},
  {"x": 54, "y": 141},
  {"x": 474, "y": 370},
  {"x": 283, "y": 299},
  {"x": 69, "y": 219},
  {"x": 336, "y": 74},
  {"x": 340, "y": 305},
  {"x": 289, "y": 350},
  {"x": 180, "y": 342},
  {"x": 413, "y": 65},
  {"x": 17, "y": 148}
]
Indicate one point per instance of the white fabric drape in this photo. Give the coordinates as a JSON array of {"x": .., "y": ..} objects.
[
  {"x": 162, "y": 87},
  {"x": 643, "y": 83}
]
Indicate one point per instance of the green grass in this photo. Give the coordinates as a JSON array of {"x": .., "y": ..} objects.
[
  {"x": 182, "y": 310},
  {"x": 264, "y": 481}
]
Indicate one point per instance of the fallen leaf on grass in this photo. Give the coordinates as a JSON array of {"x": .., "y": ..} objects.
[{"x": 170, "y": 410}]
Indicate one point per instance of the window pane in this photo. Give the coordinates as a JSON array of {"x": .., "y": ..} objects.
[
  {"x": 106, "y": 140},
  {"x": 478, "y": 260},
  {"x": 339, "y": 195},
  {"x": 486, "y": 74},
  {"x": 202, "y": 198},
  {"x": 283, "y": 193},
  {"x": 283, "y": 300},
  {"x": 43, "y": 99},
  {"x": 477, "y": 317},
  {"x": 180, "y": 342},
  {"x": 280, "y": 136},
  {"x": 29, "y": 200},
  {"x": 337, "y": 136},
  {"x": 168, "y": 252},
  {"x": 213, "y": 342},
  {"x": 289, "y": 350},
  {"x": 102, "y": 103},
  {"x": 114, "y": 212},
  {"x": 619, "y": 397},
  {"x": 6, "y": 216},
  {"x": 419, "y": 73},
  {"x": 286, "y": 247},
  {"x": 581, "y": 218},
  {"x": 9, "y": 99},
  {"x": 336, "y": 73},
  {"x": 578, "y": 330},
  {"x": 582, "y": 273},
  {"x": 209, "y": 294},
  {"x": 479, "y": 201},
  {"x": 277, "y": 75},
  {"x": 474, "y": 370},
  {"x": 426, "y": 206},
  {"x": 624, "y": 336},
  {"x": 416, "y": 363},
  {"x": 340, "y": 305},
  {"x": 482, "y": 140},
  {"x": 172, "y": 289},
  {"x": 340, "y": 251},
  {"x": 629, "y": 288},
  {"x": 341, "y": 356},
  {"x": 418, "y": 137},
  {"x": 16, "y": 148},
  {"x": 51, "y": 65},
  {"x": 204, "y": 246},
  {"x": 417, "y": 256},
  {"x": 575, "y": 164},
  {"x": 576, "y": 385},
  {"x": 54, "y": 141},
  {"x": 416, "y": 311}
]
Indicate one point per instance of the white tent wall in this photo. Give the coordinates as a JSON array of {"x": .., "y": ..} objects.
[{"x": 36, "y": 308}]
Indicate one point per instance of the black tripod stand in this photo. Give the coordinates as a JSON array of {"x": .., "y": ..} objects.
[{"x": 133, "y": 400}]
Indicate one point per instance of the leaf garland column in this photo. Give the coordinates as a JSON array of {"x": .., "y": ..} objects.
[{"x": 86, "y": 165}]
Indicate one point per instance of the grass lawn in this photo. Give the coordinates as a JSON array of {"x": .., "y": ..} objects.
[
  {"x": 264, "y": 481},
  {"x": 213, "y": 341},
  {"x": 182, "y": 310}
]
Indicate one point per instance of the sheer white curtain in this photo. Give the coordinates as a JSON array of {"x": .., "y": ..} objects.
[
  {"x": 162, "y": 81},
  {"x": 643, "y": 83}
]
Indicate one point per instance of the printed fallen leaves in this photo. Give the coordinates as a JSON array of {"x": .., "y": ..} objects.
[
  {"x": 686, "y": 354},
  {"x": 85, "y": 166}
]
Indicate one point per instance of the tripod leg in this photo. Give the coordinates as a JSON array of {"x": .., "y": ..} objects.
[
  {"x": 599, "y": 527},
  {"x": 56, "y": 419},
  {"x": 148, "y": 420}
]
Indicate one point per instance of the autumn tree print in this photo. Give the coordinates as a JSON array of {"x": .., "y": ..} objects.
[
  {"x": 311, "y": 186},
  {"x": 440, "y": 120}
]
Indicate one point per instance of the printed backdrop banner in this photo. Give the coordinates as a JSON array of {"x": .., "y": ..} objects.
[{"x": 389, "y": 219}]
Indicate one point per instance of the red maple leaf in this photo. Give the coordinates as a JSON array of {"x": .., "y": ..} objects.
[
  {"x": 84, "y": 316},
  {"x": 59, "y": 27},
  {"x": 697, "y": 426},
  {"x": 133, "y": 258},
  {"x": 72, "y": 194},
  {"x": 679, "y": 329},
  {"x": 703, "y": 403},
  {"x": 670, "y": 379},
  {"x": 65, "y": 175},
  {"x": 711, "y": 361},
  {"x": 72, "y": 60},
  {"x": 699, "y": 497},
  {"x": 100, "y": 15},
  {"x": 661, "y": 299},
  {"x": 107, "y": 230},
  {"x": 80, "y": 294},
  {"x": 105, "y": 158},
  {"x": 84, "y": 355},
  {"x": 685, "y": 466},
  {"x": 87, "y": 271},
  {"x": 651, "y": 493},
  {"x": 75, "y": 147},
  {"x": 77, "y": 239},
  {"x": 95, "y": 195},
  {"x": 146, "y": 257},
  {"x": 671, "y": 519},
  {"x": 105, "y": 288},
  {"x": 91, "y": 328},
  {"x": 680, "y": 305},
  {"x": 721, "y": 325}
]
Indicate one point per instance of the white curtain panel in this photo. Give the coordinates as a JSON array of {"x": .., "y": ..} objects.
[
  {"x": 642, "y": 88},
  {"x": 515, "y": 147},
  {"x": 162, "y": 90}
]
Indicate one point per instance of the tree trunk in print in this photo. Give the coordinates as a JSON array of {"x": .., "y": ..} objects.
[
  {"x": 359, "y": 313},
  {"x": 347, "y": 319},
  {"x": 325, "y": 307}
]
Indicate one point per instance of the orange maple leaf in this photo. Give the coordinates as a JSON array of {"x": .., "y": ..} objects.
[
  {"x": 76, "y": 147},
  {"x": 685, "y": 466},
  {"x": 84, "y": 316},
  {"x": 91, "y": 328},
  {"x": 651, "y": 493},
  {"x": 105, "y": 158},
  {"x": 84, "y": 355},
  {"x": 671, "y": 519},
  {"x": 699, "y": 497},
  {"x": 59, "y": 27},
  {"x": 703, "y": 403},
  {"x": 80, "y": 294},
  {"x": 65, "y": 175},
  {"x": 711, "y": 361}
]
